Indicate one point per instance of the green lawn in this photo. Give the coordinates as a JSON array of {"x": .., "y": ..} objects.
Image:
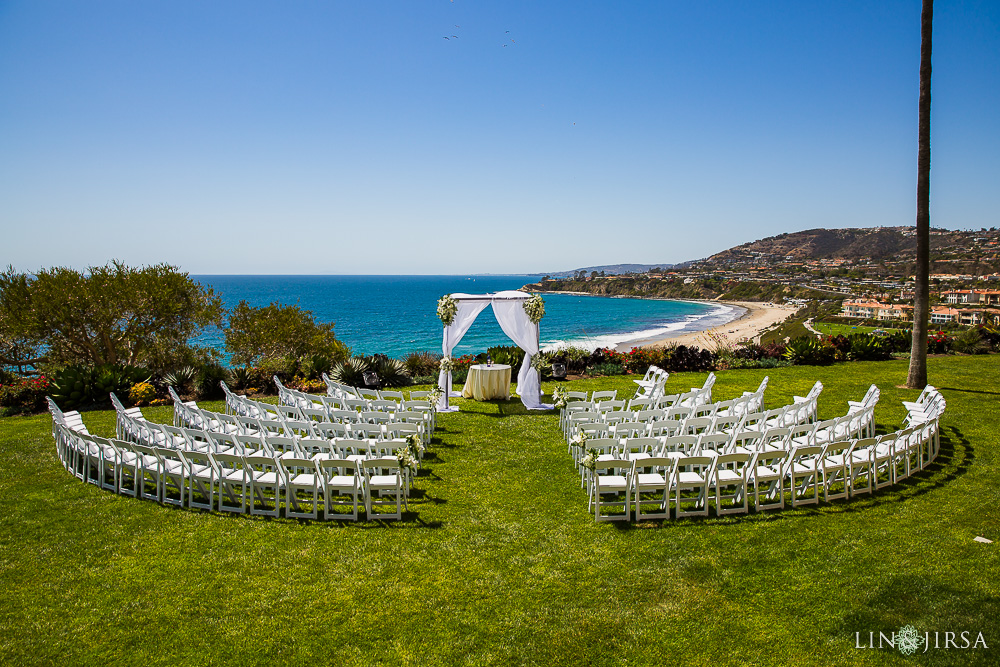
[
  {"x": 831, "y": 329},
  {"x": 499, "y": 562}
]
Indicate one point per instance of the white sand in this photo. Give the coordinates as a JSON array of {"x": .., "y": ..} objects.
[{"x": 758, "y": 317}]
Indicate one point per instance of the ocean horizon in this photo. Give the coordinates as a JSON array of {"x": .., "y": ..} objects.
[{"x": 396, "y": 315}]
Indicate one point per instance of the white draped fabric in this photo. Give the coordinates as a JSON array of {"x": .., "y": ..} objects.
[
  {"x": 469, "y": 307},
  {"x": 508, "y": 307},
  {"x": 509, "y": 310}
]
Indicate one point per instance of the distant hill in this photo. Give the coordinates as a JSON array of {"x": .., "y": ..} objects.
[
  {"x": 613, "y": 269},
  {"x": 975, "y": 251},
  {"x": 853, "y": 244}
]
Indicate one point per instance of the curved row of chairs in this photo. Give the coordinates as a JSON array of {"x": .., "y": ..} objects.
[
  {"x": 614, "y": 419},
  {"x": 265, "y": 472},
  {"x": 296, "y": 406},
  {"x": 833, "y": 459}
]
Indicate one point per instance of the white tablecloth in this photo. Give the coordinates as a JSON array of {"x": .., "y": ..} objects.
[{"x": 487, "y": 382}]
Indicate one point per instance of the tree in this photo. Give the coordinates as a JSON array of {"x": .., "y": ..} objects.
[
  {"x": 917, "y": 377},
  {"x": 278, "y": 332},
  {"x": 112, "y": 314}
]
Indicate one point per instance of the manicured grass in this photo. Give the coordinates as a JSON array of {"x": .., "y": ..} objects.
[
  {"x": 499, "y": 561},
  {"x": 832, "y": 329}
]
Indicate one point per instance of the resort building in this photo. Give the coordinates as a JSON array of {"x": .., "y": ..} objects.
[
  {"x": 876, "y": 310},
  {"x": 972, "y": 297}
]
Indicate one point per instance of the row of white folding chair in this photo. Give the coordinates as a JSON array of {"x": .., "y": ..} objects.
[
  {"x": 811, "y": 398},
  {"x": 337, "y": 390},
  {"x": 680, "y": 482},
  {"x": 856, "y": 466},
  {"x": 931, "y": 408},
  {"x": 679, "y": 420},
  {"x": 206, "y": 479},
  {"x": 928, "y": 393},
  {"x": 299, "y": 405},
  {"x": 213, "y": 421},
  {"x": 803, "y": 473},
  {"x": 756, "y": 397},
  {"x": 328, "y": 442},
  {"x": 654, "y": 375},
  {"x": 869, "y": 401},
  {"x": 302, "y": 399}
]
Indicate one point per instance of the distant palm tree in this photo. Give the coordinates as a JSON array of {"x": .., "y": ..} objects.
[{"x": 917, "y": 377}]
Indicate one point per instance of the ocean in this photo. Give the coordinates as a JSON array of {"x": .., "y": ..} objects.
[{"x": 396, "y": 315}]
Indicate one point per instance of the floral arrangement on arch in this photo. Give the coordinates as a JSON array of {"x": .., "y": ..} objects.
[
  {"x": 446, "y": 365},
  {"x": 538, "y": 362},
  {"x": 447, "y": 309},
  {"x": 535, "y": 308}
]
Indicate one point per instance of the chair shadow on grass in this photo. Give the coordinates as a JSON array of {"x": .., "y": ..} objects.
[
  {"x": 971, "y": 391},
  {"x": 953, "y": 460}
]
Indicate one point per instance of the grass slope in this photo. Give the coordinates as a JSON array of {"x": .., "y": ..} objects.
[{"x": 499, "y": 561}]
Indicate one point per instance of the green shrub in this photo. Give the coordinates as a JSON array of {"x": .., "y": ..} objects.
[
  {"x": 971, "y": 341},
  {"x": 576, "y": 358},
  {"x": 390, "y": 372},
  {"x": 312, "y": 366},
  {"x": 869, "y": 347},
  {"x": 181, "y": 379},
  {"x": 422, "y": 364},
  {"x": 206, "y": 384},
  {"x": 606, "y": 368},
  {"x": 808, "y": 351},
  {"x": 75, "y": 386},
  {"x": 240, "y": 377},
  {"x": 510, "y": 355}
]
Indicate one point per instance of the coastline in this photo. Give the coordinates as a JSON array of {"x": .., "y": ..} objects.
[{"x": 750, "y": 323}]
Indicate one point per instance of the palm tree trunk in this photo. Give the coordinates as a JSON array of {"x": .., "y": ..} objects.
[{"x": 917, "y": 377}]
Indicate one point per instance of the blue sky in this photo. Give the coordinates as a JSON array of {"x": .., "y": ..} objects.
[{"x": 352, "y": 137}]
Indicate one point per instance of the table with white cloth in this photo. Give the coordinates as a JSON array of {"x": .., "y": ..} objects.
[{"x": 485, "y": 383}]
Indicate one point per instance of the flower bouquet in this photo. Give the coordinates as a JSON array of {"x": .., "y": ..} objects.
[
  {"x": 447, "y": 308},
  {"x": 559, "y": 398},
  {"x": 535, "y": 308}
]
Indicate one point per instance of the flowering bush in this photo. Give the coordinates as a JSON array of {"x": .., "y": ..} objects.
[
  {"x": 24, "y": 395},
  {"x": 535, "y": 308},
  {"x": 141, "y": 393},
  {"x": 300, "y": 383},
  {"x": 938, "y": 343},
  {"x": 447, "y": 309}
]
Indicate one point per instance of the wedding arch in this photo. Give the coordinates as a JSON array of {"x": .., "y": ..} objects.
[{"x": 518, "y": 314}]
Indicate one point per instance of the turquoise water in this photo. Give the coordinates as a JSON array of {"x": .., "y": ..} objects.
[{"x": 396, "y": 315}]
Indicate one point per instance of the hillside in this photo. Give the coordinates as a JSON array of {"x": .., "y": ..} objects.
[{"x": 878, "y": 244}]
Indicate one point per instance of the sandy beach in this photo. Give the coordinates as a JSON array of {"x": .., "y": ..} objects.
[{"x": 755, "y": 319}]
